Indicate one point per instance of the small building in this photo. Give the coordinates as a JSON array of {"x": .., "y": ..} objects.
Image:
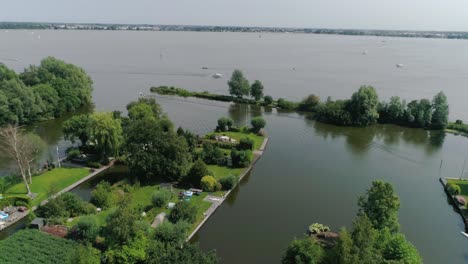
[{"x": 37, "y": 223}]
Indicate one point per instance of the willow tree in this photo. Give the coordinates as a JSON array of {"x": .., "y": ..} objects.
[{"x": 106, "y": 133}]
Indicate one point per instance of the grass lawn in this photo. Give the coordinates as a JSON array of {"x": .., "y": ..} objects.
[
  {"x": 58, "y": 178},
  {"x": 463, "y": 186},
  {"x": 220, "y": 171},
  {"x": 258, "y": 140}
]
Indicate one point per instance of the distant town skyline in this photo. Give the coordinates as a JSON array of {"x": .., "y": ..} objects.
[{"x": 433, "y": 15}]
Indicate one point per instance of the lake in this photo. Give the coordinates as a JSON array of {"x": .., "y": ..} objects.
[{"x": 310, "y": 172}]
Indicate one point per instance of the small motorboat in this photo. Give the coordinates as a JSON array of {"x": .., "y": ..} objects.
[
  {"x": 217, "y": 75},
  {"x": 364, "y": 52},
  {"x": 399, "y": 65},
  {"x": 204, "y": 68}
]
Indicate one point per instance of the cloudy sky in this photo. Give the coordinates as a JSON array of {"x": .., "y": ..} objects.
[{"x": 366, "y": 14}]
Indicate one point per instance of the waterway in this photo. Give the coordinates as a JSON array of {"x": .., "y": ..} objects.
[{"x": 310, "y": 172}]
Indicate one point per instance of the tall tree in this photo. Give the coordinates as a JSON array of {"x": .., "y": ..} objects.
[
  {"x": 32, "y": 148},
  {"x": 381, "y": 205},
  {"x": 13, "y": 146},
  {"x": 238, "y": 84},
  {"x": 441, "y": 111},
  {"x": 363, "y": 106},
  {"x": 256, "y": 90},
  {"x": 303, "y": 251},
  {"x": 77, "y": 127},
  {"x": 106, "y": 133}
]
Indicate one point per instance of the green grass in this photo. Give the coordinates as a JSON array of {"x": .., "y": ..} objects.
[
  {"x": 220, "y": 171},
  {"x": 59, "y": 179},
  {"x": 463, "y": 186},
  {"x": 258, "y": 140}
]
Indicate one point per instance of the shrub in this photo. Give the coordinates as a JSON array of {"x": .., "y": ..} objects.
[
  {"x": 257, "y": 124},
  {"x": 168, "y": 232},
  {"x": 86, "y": 229},
  {"x": 161, "y": 197},
  {"x": 210, "y": 184},
  {"x": 121, "y": 160},
  {"x": 234, "y": 129},
  {"x": 453, "y": 189},
  {"x": 268, "y": 100},
  {"x": 211, "y": 154},
  {"x": 102, "y": 195},
  {"x": 196, "y": 173},
  {"x": 93, "y": 164},
  {"x": 183, "y": 211},
  {"x": 73, "y": 153},
  {"x": 317, "y": 228},
  {"x": 228, "y": 182},
  {"x": 309, "y": 104},
  {"x": 223, "y": 123},
  {"x": 286, "y": 105},
  {"x": 245, "y": 144},
  {"x": 241, "y": 158}
]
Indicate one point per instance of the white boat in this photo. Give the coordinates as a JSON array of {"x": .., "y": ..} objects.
[
  {"x": 465, "y": 234},
  {"x": 399, "y": 65},
  {"x": 217, "y": 75}
]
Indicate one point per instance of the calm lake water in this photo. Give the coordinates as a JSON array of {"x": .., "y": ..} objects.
[{"x": 311, "y": 172}]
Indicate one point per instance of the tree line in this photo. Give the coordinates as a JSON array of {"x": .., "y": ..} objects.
[
  {"x": 374, "y": 238},
  {"x": 42, "y": 92}
]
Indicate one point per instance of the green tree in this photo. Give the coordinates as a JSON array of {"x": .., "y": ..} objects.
[
  {"x": 228, "y": 182},
  {"x": 342, "y": 253},
  {"x": 168, "y": 232},
  {"x": 441, "y": 111},
  {"x": 268, "y": 100},
  {"x": 86, "y": 229},
  {"x": 303, "y": 251},
  {"x": 155, "y": 107},
  {"x": 399, "y": 249},
  {"x": 381, "y": 205},
  {"x": 106, "y": 133},
  {"x": 257, "y": 124},
  {"x": 102, "y": 195},
  {"x": 183, "y": 211},
  {"x": 238, "y": 84},
  {"x": 364, "y": 239},
  {"x": 85, "y": 254},
  {"x": 161, "y": 197},
  {"x": 210, "y": 184},
  {"x": 453, "y": 189},
  {"x": 77, "y": 127},
  {"x": 170, "y": 253},
  {"x": 246, "y": 143},
  {"x": 196, "y": 173},
  {"x": 363, "y": 106},
  {"x": 256, "y": 90},
  {"x": 222, "y": 124},
  {"x": 309, "y": 104},
  {"x": 140, "y": 111},
  {"x": 212, "y": 154},
  {"x": 241, "y": 158},
  {"x": 121, "y": 224},
  {"x": 133, "y": 251}
]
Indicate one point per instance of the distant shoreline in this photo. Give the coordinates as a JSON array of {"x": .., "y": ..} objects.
[{"x": 251, "y": 29}]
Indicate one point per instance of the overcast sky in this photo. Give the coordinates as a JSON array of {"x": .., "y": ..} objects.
[{"x": 366, "y": 14}]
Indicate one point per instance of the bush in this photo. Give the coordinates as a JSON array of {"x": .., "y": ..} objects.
[
  {"x": 65, "y": 205},
  {"x": 224, "y": 123},
  {"x": 257, "y": 124},
  {"x": 93, "y": 164},
  {"x": 210, "y": 184},
  {"x": 245, "y": 144},
  {"x": 234, "y": 129},
  {"x": 453, "y": 189},
  {"x": 161, "y": 197},
  {"x": 268, "y": 100},
  {"x": 121, "y": 160},
  {"x": 168, "y": 232},
  {"x": 196, "y": 173},
  {"x": 241, "y": 158},
  {"x": 228, "y": 182},
  {"x": 86, "y": 229},
  {"x": 73, "y": 153},
  {"x": 102, "y": 195},
  {"x": 183, "y": 211},
  {"x": 286, "y": 105},
  {"x": 211, "y": 154},
  {"x": 317, "y": 228}
]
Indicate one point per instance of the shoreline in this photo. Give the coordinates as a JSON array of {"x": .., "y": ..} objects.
[{"x": 217, "y": 201}]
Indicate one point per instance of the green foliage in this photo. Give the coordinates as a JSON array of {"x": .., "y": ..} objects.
[
  {"x": 309, "y": 104},
  {"x": 241, "y": 158},
  {"x": 122, "y": 224},
  {"x": 238, "y": 84},
  {"x": 286, "y": 105},
  {"x": 453, "y": 189},
  {"x": 268, "y": 100},
  {"x": 170, "y": 253},
  {"x": 85, "y": 254},
  {"x": 303, "y": 251},
  {"x": 224, "y": 123},
  {"x": 363, "y": 106},
  {"x": 212, "y": 154},
  {"x": 256, "y": 90},
  {"x": 334, "y": 112},
  {"x": 93, "y": 164},
  {"x": 63, "y": 206},
  {"x": 392, "y": 112},
  {"x": 33, "y": 246},
  {"x": 196, "y": 173},
  {"x": 77, "y": 127},
  {"x": 102, "y": 195},
  {"x": 246, "y": 144},
  {"x": 210, "y": 184},
  {"x": 228, "y": 182},
  {"x": 168, "y": 232},
  {"x": 106, "y": 133},
  {"x": 73, "y": 153},
  {"x": 133, "y": 251},
  {"x": 161, "y": 197},
  {"x": 381, "y": 205},
  {"x": 148, "y": 101},
  {"x": 42, "y": 92},
  {"x": 441, "y": 111},
  {"x": 183, "y": 211},
  {"x": 86, "y": 229},
  {"x": 257, "y": 124},
  {"x": 317, "y": 228}
]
